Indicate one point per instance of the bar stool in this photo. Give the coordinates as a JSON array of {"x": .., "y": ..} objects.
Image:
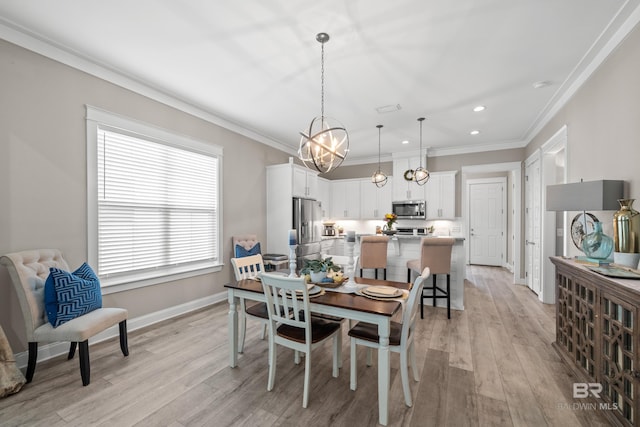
[
  {"x": 373, "y": 254},
  {"x": 435, "y": 253}
]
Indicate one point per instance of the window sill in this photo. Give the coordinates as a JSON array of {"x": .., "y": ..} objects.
[{"x": 125, "y": 283}]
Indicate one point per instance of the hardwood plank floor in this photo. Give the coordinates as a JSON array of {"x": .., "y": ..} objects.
[{"x": 491, "y": 364}]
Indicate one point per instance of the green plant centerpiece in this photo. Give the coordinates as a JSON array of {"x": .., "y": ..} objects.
[{"x": 320, "y": 270}]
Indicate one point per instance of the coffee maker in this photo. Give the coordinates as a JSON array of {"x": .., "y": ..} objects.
[{"x": 328, "y": 229}]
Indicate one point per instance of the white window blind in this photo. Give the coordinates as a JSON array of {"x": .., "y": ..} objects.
[{"x": 157, "y": 204}]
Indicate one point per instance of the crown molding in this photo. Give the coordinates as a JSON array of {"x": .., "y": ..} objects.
[
  {"x": 597, "y": 54},
  {"x": 39, "y": 44}
]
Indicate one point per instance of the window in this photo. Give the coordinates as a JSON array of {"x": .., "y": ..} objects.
[{"x": 154, "y": 208}]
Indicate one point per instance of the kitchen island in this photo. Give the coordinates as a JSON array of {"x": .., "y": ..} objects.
[{"x": 403, "y": 248}]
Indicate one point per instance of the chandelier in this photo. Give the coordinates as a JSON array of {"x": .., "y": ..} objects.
[
  {"x": 420, "y": 175},
  {"x": 325, "y": 144},
  {"x": 379, "y": 178}
]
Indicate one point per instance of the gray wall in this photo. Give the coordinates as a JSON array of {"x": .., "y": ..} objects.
[
  {"x": 43, "y": 201},
  {"x": 603, "y": 122}
]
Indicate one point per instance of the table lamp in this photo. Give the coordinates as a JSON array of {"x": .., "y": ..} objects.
[{"x": 600, "y": 195}]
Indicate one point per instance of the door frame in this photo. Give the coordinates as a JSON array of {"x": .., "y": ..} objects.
[
  {"x": 552, "y": 151},
  {"x": 515, "y": 168},
  {"x": 534, "y": 157},
  {"x": 495, "y": 180}
]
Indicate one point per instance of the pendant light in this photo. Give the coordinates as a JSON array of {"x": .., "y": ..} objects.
[
  {"x": 325, "y": 145},
  {"x": 421, "y": 175},
  {"x": 379, "y": 178}
]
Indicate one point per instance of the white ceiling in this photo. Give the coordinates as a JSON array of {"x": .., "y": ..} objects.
[{"x": 256, "y": 64}]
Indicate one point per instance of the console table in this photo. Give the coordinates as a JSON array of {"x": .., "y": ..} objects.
[{"x": 597, "y": 334}]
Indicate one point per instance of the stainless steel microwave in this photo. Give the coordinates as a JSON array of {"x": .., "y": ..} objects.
[{"x": 410, "y": 209}]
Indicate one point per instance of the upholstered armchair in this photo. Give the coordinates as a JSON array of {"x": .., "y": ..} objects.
[{"x": 29, "y": 271}]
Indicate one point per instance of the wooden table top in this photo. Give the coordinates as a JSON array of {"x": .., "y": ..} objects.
[{"x": 339, "y": 299}]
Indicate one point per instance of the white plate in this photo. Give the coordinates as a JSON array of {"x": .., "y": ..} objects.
[
  {"x": 382, "y": 292},
  {"x": 313, "y": 289}
]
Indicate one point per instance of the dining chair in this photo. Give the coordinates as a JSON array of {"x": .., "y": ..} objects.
[
  {"x": 373, "y": 254},
  {"x": 435, "y": 253},
  {"x": 300, "y": 331},
  {"x": 29, "y": 272},
  {"x": 249, "y": 267},
  {"x": 401, "y": 339}
]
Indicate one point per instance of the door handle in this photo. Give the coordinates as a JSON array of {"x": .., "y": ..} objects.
[{"x": 530, "y": 242}]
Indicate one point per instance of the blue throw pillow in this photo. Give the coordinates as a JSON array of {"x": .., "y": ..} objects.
[
  {"x": 242, "y": 252},
  {"x": 69, "y": 295}
]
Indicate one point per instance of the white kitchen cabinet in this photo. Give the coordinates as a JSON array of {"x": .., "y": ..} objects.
[
  {"x": 324, "y": 196},
  {"x": 441, "y": 195},
  {"x": 345, "y": 199},
  {"x": 305, "y": 182},
  {"x": 374, "y": 201},
  {"x": 327, "y": 247},
  {"x": 284, "y": 182},
  {"x": 403, "y": 189}
]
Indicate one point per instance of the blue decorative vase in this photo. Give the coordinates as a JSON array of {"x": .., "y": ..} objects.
[{"x": 596, "y": 244}]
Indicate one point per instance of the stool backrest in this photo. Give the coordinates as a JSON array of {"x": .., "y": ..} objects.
[
  {"x": 373, "y": 251},
  {"x": 436, "y": 254}
]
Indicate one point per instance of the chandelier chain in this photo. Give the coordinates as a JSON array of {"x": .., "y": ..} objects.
[{"x": 322, "y": 81}]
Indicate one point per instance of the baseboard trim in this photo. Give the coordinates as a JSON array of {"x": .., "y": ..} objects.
[{"x": 51, "y": 350}]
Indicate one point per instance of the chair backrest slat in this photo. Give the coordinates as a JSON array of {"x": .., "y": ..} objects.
[
  {"x": 247, "y": 267},
  {"x": 287, "y": 301}
]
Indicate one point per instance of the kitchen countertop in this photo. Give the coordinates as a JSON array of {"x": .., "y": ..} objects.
[{"x": 411, "y": 236}]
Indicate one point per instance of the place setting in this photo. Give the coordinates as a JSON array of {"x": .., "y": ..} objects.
[{"x": 382, "y": 293}]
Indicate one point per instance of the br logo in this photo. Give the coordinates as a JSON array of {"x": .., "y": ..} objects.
[{"x": 584, "y": 390}]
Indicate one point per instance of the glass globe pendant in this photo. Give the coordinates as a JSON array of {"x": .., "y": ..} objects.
[
  {"x": 420, "y": 174},
  {"x": 379, "y": 178}
]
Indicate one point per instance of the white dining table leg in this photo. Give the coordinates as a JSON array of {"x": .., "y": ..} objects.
[
  {"x": 384, "y": 372},
  {"x": 233, "y": 329}
]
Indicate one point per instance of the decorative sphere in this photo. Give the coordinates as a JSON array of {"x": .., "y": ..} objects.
[
  {"x": 324, "y": 146},
  {"x": 421, "y": 175},
  {"x": 379, "y": 179}
]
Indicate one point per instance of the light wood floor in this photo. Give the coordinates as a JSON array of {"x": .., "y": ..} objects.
[{"x": 490, "y": 365}]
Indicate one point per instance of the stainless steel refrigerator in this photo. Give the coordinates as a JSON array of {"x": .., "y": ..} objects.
[{"x": 307, "y": 220}]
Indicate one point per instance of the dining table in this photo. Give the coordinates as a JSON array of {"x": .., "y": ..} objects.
[{"x": 333, "y": 302}]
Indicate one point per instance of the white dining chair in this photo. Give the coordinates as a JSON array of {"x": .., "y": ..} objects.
[
  {"x": 300, "y": 331},
  {"x": 400, "y": 339},
  {"x": 250, "y": 267}
]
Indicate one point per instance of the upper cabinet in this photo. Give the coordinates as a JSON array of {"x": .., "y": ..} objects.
[
  {"x": 305, "y": 182},
  {"x": 345, "y": 199},
  {"x": 374, "y": 201},
  {"x": 403, "y": 189},
  {"x": 441, "y": 195},
  {"x": 324, "y": 196}
]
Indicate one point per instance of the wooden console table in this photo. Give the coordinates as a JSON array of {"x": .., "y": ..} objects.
[{"x": 597, "y": 334}]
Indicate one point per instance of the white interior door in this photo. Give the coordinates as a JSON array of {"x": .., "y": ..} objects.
[
  {"x": 487, "y": 226},
  {"x": 533, "y": 224}
]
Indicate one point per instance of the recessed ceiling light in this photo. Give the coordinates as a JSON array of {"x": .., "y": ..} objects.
[
  {"x": 405, "y": 142},
  {"x": 479, "y": 108},
  {"x": 474, "y": 132}
]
